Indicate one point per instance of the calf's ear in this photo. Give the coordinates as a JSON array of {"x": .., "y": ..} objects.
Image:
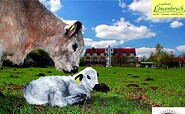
[
  {"x": 73, "y": 29},
  {"x": 79, "y": 78}
]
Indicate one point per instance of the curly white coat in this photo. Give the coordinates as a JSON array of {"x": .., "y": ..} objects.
[{"x": 61, "y": 90}]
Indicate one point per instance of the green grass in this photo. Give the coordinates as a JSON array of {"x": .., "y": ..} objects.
[{"x": 129, "y": 92}]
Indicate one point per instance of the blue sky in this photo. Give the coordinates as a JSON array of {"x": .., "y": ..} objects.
[{"x": 122, "y": 23}]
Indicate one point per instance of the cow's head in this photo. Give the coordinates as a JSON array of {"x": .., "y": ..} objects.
[{"x": 69, "y": 48}]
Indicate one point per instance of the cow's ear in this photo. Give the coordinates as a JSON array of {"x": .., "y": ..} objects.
[
  {"x": 79, "y": 78},
  {"x": 73, "y": 29}
]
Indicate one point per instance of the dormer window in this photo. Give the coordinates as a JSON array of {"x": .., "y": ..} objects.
[
  {"x": 87, "y": 54},
  {"x": 132, "y": 54},
  {"x": 102, "y": 54},
  {"x": 124, "y": 54},
  {"x": 95, "y": 54}
]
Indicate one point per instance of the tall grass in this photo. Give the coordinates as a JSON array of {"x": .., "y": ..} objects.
[{"x": 132, "y": 91}]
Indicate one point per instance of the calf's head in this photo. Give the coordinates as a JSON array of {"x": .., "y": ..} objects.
[
  {"x": 88, "y": 77},
  {"x": 67, "y": 53}
]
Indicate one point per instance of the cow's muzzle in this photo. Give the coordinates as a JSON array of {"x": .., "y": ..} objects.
[{"x": 74, "y": 70}]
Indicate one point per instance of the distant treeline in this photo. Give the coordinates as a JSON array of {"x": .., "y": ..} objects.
[
  {"x": 37, "y": 58},
  {"x": 165, "y": 59},
  {"x": 162, "y": 59}
]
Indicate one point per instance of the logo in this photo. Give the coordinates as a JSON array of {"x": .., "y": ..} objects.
[
  {"x": 168, "y": 8},
  {"x": 168, "y": 112}
]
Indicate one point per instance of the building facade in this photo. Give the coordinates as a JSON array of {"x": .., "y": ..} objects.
[{"x": 110, "y": 57}]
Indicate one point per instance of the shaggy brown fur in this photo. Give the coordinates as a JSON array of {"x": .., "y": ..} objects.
[{"x": 26, "y": 25}]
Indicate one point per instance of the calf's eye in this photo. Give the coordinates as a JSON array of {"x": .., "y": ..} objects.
[
  {"x": 88, "y": 77},
  {"x": 74, "y": 46}
]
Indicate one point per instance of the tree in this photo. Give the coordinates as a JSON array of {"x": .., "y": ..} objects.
[
  {"x": 161, "y": 58},
  {"x": 143, "y": 59},
  {"x": 167, "y": 60},
  {"x": 40, "y": 52},
  {"x": 157, "y": 56},
  {"x": 116, "y": 60},
  {"x": 82, "y": 61}
]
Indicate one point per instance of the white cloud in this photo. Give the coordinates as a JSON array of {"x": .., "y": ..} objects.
[
  {"x": 121, "y": 4},
  {"x": 146, "y": 51},
  {"x": 144, "y": 9},
  {"x": 123, "y": 30},
  {"x": 69, "y": 22},
  {"x": 52, "y": 5},
  {"x": 181, "y": 48},
  {"x": 176, "y": 24},
  {"x": 169, "y": 51},
  {"x": 45, "y": 3},
  {"x": 100, "y": 44},
  {"x": 55, "y": 5}
]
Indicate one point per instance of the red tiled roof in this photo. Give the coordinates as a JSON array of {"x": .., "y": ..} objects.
[
  {"x": 95, "y": 50},
  {"x": 125, "y": 50},
  {"x": 180, "y": 59},
  {"x": 116, "y": 50}
]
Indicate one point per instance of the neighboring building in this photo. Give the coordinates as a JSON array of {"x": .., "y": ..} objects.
[
  {"x": 95, "y": 56},
  {"x": 124, "y": 57},
  {"x": 110, "y": 56},
  {"x": 181, "y": 61}
]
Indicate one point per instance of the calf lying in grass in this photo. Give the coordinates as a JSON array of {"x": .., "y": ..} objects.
[{"x": 62, "y": 90}]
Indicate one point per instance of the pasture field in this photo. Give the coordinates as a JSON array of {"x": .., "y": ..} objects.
[{"x": 132, "y": 91}]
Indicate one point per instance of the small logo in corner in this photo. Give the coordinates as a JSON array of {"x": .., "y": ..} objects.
[{"x": 169, "y": 111}]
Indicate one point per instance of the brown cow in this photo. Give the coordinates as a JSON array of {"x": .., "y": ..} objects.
[{"x": 26, "y": 25}]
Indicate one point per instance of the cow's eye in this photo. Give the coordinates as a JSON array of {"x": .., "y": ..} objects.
[
  {"x": 74, "y": 46},
  {"x": 88, "y": 77}
]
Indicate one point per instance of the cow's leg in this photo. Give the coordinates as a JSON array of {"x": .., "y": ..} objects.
[
  {"x": 18, "y": 58},
  {"x": 1, "y": 60}
]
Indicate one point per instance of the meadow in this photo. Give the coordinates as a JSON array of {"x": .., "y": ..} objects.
[{"x": 132, "y": 91}]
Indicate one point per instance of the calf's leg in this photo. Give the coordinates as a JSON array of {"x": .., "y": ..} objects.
[{"x": 56, "y": 98}]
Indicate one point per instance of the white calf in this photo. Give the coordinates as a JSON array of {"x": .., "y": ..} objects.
[{"x": 61, "y": 90}]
